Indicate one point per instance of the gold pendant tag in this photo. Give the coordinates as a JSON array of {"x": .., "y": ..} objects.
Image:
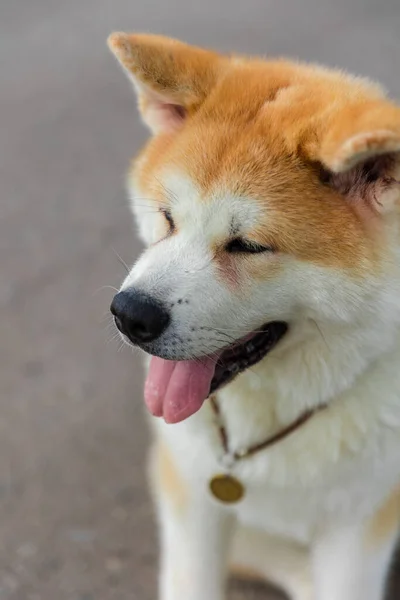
[{"x": 226, "y": 488}]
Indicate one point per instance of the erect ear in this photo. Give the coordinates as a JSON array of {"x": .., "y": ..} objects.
[
  {"x": 171, "y": 78},
  {"x": 360, "y": 152}
]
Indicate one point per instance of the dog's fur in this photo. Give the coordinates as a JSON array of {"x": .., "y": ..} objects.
[{"x": 303, "y": 160}]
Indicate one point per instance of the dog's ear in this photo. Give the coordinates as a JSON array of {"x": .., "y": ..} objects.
[
  {"x": 359, "y": 151},
  {"x": 171, "y": 78}
]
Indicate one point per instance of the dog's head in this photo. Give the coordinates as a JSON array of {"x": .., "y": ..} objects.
[{"x": 267, "y": 194}]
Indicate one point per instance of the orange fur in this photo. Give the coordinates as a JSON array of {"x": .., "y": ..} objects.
[
  {"x": 385, "y": 522},
  {"x": 247, "y": 574},
  {"x": 185, "y": 74},
  {"x": 259, "y": 129},
  {"x": 169, "y": 478}
]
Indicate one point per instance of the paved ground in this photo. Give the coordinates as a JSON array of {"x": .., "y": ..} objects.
[{"x": 76, "y": 523}]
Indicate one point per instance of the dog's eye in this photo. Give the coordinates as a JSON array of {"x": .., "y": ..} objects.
[
  {"x": 239, "y": 245},
  {"x": 169, "y": 219}
]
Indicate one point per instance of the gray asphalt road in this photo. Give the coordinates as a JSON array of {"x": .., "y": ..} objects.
[{"x": 76, "y": 523}]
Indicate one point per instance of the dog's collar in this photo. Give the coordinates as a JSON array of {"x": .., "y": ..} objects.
[
  {"x": 258, "y": 447},
  {"x": 227, "y": 488}
]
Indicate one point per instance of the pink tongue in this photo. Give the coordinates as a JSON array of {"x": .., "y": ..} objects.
[{"x": 176, "y": 390}]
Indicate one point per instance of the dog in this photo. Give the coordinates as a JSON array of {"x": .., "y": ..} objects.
[{"x": 267, "y": 303}]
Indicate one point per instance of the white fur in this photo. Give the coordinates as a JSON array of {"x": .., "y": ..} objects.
[{"x": 308, "y": 498}]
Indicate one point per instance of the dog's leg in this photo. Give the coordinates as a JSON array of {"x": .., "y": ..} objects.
[
  {"x": 352, "y": 563},
  {"x": 257, "y": 555},
  {"x": 344, "y": 569},
  {"x": 194, "y": 535}
]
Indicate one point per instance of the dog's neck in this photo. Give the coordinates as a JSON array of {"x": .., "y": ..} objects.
[{"x": 312, "y": 365}]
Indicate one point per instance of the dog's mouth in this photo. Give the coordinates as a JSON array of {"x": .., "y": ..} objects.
[
  {"x": 176, "y": 390},
  {"x": 245, "y": 354}
]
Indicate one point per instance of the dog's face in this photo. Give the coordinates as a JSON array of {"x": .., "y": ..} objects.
[
  {"x": 239, "y": 235},
  {"x": 263, "y": 196}
]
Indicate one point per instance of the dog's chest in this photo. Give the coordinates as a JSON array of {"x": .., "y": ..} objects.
[{"x": 290, "y": 486}]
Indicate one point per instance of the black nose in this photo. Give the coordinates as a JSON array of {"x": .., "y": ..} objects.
[{"x": 139, "y": 316}]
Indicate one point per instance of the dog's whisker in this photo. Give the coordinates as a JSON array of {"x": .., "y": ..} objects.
[
  {"x": 242, "y": 334},
  {"x": 320, "y": 332},
  {"x": 225, "y": 342},
  {"x": 205, "y": 266},
  {"x": 227, "y": 336},
  {"x": 122, "y": 344},
  {"x": 168, "y": 192},
  {"x": 121, "y": 260},
  {"x": 232, "y": 340},
  {"x": 157, "y": 202},
  {"x": 113, "y": 337},
  {"x": 213, "y": 354},
  {"x": 109, "y": 327},
  {"x": 105, "y": 287}
]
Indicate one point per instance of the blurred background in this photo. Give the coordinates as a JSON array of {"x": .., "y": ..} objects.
[{"x": 75, "y": 518}]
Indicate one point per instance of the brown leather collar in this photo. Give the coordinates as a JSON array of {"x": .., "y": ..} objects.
[{"x": 281, "y": 435}]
